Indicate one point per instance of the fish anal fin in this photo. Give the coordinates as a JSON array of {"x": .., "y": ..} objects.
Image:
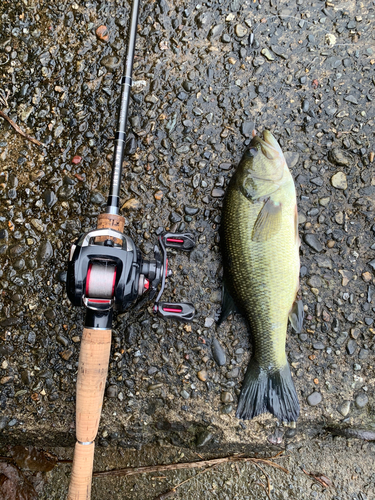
[
  {"x": 296, "y": 316},
  {"x": 268, "y": 222}
]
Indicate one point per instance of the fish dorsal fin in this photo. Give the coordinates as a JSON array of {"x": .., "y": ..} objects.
[
  {"x": 268, "y": 222},
  {"x": 296, "y": 316}
]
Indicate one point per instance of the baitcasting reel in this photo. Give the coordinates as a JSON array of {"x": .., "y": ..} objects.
[{"x": 107, "y": 271}]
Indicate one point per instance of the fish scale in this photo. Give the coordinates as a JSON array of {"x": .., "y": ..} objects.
[{"x": 262, "y": 276}]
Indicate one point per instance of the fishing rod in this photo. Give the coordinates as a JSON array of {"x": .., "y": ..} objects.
[{"x": 107, "y": 272}]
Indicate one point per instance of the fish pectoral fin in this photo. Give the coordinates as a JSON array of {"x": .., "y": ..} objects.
[
  {"x": 268, "y": 222},
  {"x": 296, "y": 316},
  {"x": 227, "y": 306}
]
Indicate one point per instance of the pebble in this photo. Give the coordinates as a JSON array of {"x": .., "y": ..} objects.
[
  {"x": 202, "y": 375},
  {"x": 185, "y": 394},
  {"x": 268, "y": 54},
  {"x": 112, "y": 391},
  {"x": 313, "y": 242},
  {"x": 3, "y": 422},
  {"x": 226, "y": 397},
  {"x": 291, "y": 158},
  {"x": 217, "y": 193},
  {"x": 67, "y": 354},
  {"x": 241, "y": 31},
  {"x": 50, "y": 198},
  {"x": 76, "y": 160},
  {"x": 226, "y": 409},
  {"x": 339, "y": 181},
  {"x": 351, "y": 347},
  {"x": 216, "y": 31},
  {"x": 361, "y": 400},
  {"x": 132, "y": 204},
  {"x": 203, "y": 438},
  {"x": 208, "y": 322},
  {"x": 314, "y": 399},
  {"x": 351, "y": 99},
  {"x": 26, "y": 377},
  {"x": 218, "y": 353},
  {"x": 232, "y": 373},
  {"x": 102, "y": 33},
  {"x": 45, "y": 252},
  {"x": 338, "y": 157},
  {"x": 318, "y": 346},
  {"x": 344, "y": 408}
]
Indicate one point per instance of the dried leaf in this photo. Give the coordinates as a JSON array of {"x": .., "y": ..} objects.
[
  {"x": 31, "y": 458},
  {"x": 14, "y": 485}
]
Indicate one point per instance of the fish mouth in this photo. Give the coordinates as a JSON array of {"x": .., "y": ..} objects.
[{"x": 268, "y": 145}]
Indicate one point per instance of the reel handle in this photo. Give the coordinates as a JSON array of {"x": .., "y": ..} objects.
[{"x": 92, "y": 375}]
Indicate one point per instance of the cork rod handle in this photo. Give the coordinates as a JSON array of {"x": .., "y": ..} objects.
[{"x": 92, "y": 375}]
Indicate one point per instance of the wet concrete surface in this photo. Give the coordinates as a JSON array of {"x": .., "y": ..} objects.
[{"x": 205, "y": 75}]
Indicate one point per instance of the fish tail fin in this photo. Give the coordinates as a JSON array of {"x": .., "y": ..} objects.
[{"x": 269, "y": 390}]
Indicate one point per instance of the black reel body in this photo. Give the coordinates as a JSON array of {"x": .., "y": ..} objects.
[{"x": 107, "y": 275}]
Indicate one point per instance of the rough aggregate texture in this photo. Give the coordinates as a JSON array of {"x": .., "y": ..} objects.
[{"x": 200, "y": 87}]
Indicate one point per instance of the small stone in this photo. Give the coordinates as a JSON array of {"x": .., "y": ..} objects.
[
  {"x": 344, "y": 408},
  {"x": 26, "y": 377},
  {"x": 351, "y": 347},
  {"x": 112, "y": 391},
  {"x": 102, "y": 33},
  {"x": 291, "y": 158},
  {"x": 339, "y": 218},
  {"x": 185, "y": 394},
  {"x": 132, "y": 204},
  {"x": 324, "y": 201},
  {"x": 3, "y": 422},
  {"x": 246, "y": 129},
  {"x": 318, "y": 346},
  {"x": 62, "y": 340},
  {"x": 203, "y": 438},
  {"x": 45, "y": 252},
  {"x": 366, "y": 277},
  {"x": 346, "y": 276},
  {"x": 50, "y": 198},
  {"x": 226, "y": 409},
  {"x": 339, "y": 181},
  {"x": 158, "y": 195},
  {"x": 354, "y": 332},
  {"x": 314, "y": 399},
  {"x": 218, "y": 353},
  {"x": 202, "y": 375},
  {"x": 97, "y": 198},
  {"x": 66, "y": 354},
  {"x": 351, "y": 99},
  {"x": 76, "y": 160},
  {"x": 241, "y": 31},
  {"x": 268, "y": 54},
  {"x": 226, "y": 397},
  {"x": 338, "y": 157},
  {"x": 361, "y": 400},
  {"x": 208, "y": 322},
  {"x": 315, "y": 281},
  {"x": 216, "y": 31},
  {"x": 313, "y": 242},
  {"x": 232, "y": 373},
  {"x": 217, "y": 193}
]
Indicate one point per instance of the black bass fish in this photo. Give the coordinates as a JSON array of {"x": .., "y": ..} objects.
[{"x": 260, "y": 246}]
